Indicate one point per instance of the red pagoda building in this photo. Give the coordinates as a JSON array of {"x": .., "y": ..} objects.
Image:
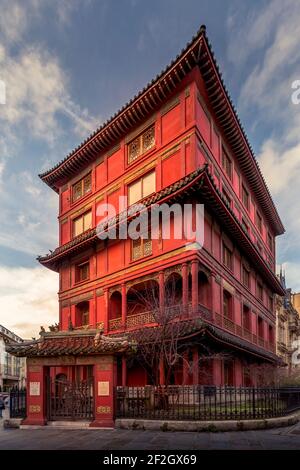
[{"x": 179, "y": 140}]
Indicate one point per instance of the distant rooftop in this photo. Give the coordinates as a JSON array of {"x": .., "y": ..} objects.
[{"x": 10, "y": 334}]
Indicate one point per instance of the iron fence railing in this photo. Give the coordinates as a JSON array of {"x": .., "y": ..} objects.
[
  {"x": 203, "y": 402},
  {"x": 17, "y": 402}
]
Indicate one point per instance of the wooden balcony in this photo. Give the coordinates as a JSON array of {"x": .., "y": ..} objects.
[{"x": 176, "y": 311}]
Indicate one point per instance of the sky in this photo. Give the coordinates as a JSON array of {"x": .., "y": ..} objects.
[{"x": 68, "y": 65}]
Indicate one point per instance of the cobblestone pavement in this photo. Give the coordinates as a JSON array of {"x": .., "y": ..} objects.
[{"x": 117, "y": 439}]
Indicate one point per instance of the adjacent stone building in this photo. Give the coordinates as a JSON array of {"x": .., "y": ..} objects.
[
  {"x": 12, "y": 369},
  {"x": 287, "y": 327}
]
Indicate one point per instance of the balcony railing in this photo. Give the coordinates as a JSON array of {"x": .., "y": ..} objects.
[
  {"x": 139, "y": 319},
  {"x": 177, "y": 311},
  {"x": 115, "y": 324}
]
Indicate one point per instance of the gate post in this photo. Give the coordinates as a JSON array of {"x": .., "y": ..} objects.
[
  {"x": 104, "y": 392},
  {"x": 36, "y": 393}
]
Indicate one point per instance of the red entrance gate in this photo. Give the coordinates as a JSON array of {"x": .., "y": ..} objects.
[{"x": 68, "y": 400}]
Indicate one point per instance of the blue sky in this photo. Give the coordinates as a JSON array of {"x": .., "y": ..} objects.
[{"x": 69, "y": 65}]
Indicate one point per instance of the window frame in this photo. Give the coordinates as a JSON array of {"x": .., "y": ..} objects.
[
  {"x": 141, "y": 180},
  {"x": 245, "y": 270},
  {"x": 245, "y": 192},
  {"x": 82, "y": 216},
  {"x": 224, "y": 260},
  {"x": 78, "y": 270},
  {"x": 81, "y": 181},
  {"x": 260, "y": 290},
  {"x": 228, "y": 296},
  {"x": 140, "y": 139},
  {"x": 258, "y": 221},
  {"x": 143, "y": 241},
  {"x": 227, "y": 164}
]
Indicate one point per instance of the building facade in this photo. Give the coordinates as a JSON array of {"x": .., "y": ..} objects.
[
  {"x": 287, "y": 327},
  {"x": 12, "y": 369},
  {"x": 178, "y": 141}
]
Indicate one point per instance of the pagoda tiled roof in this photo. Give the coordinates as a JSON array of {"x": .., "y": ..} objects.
[
  {"x": 76, "y": 343},
  {"x": 192, "y": 327},
  {"x": 197, "y": 53},
  {"x": 198, "y": 182}
]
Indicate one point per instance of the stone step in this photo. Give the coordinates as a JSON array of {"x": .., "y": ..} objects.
[{"x": 69, "y": 424}]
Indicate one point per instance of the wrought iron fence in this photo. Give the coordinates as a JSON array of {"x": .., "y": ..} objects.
[
  {"x": 199, "y": 402},
  {"x": 17, "y": 402}
]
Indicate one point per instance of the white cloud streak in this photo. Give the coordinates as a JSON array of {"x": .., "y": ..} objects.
[
  {"x": 271, "y": 38},
  {"x": 28, "y": 299}
]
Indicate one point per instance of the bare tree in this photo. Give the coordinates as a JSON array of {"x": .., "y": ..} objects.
[{"x": 163, "y": 346}]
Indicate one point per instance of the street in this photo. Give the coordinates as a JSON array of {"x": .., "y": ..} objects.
[{"x": 117, "y": 439}]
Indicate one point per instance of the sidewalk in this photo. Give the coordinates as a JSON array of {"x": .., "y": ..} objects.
[{"x": 118, "y": 439}]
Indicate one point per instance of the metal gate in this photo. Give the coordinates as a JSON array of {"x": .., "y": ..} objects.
[{"x": 70, "y": 400}]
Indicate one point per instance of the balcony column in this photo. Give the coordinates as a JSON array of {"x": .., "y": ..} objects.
[
  {"x": 184, "y": 271},
  {"x": 124, "y": 371},
  {"x": 195, "y": 366},
  {"x": 162, "y": 380},
  {"x": 106, "y": 309},
  {"x": 161, "y": 290},
  {"x": 195, "y": 269},
  {"x": 124, "y": 305},
  {"x": 185, "y": 367},
  {"x": 212, "y": 295}
]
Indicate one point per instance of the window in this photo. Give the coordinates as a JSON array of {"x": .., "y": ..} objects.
[
  {"x": 82, "y": 187},
  {"x": 271, "y": 334},
  {"x": 260, "y": 291},
  {"x": 141, "y": 247},
  {"x": 246, "y": 277},
  {"x": 270, "y": 244},
  {"x": 245, "y": 197},
  {"x": 82, "y": 314},
  {"x": 227, "y": 197},
  {"x": 246, "y": 318},
  {"x": 141, "y": 144},
  {"x": 141, "y": 188},
  {"x": 227, "y": 257},
  {"x": 258, "y": 221},
  {"x": 260, "y": 324},
  {"x": 82, "y": 223},
  {"x": 227, "y": 164},
  {"x": 227, "y": 304},
  {"x": 228, "y": 373},
  {"x": 82, "y": 271},
  {"x": 245, "y": 225}
]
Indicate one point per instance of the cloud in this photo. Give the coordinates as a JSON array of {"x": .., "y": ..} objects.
[
  {"x": 28, "y": 299},
  {"x": 271, "y": 45},
  {"x": 40, "y": 113}
]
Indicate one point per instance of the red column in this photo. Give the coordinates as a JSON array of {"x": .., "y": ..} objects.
[
  {"x": 184, "y": 271},
  {"x": 238, "y": 373},
  {"x": 212, "y": 295},
  {"x": 36, "y": 393},
  {"x": 124, "y": 371},
  {"x": 185, "y": 368},
  {"x": 217, "y": 372},
  {"x": 161, "y": 371},
  {"x": 124, "y": 305},
  {"x": 161, "y": 290},
  {"x": 106, "y": 307},
  {"x": 195, "y": 366},
  {"x": 195, "y": 285},
  {"x": 104, "y": 375}
]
